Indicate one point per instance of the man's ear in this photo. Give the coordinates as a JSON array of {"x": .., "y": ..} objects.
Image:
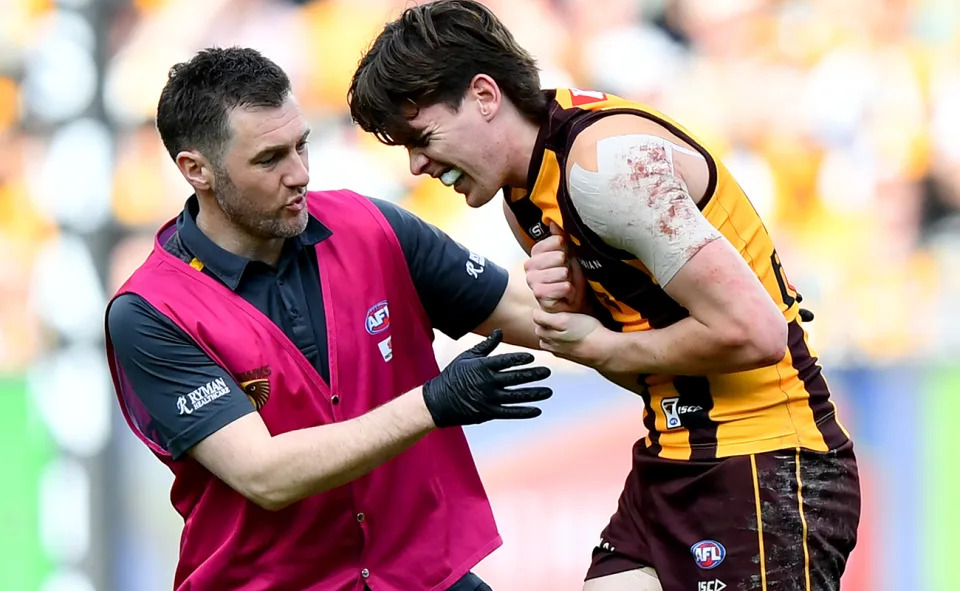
[
  {"x": 195, "y": 167},
  {"x": 484, "y": 90}
]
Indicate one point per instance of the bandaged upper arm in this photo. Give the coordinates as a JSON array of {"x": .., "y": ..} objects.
[{"x": 635, "y": 202}]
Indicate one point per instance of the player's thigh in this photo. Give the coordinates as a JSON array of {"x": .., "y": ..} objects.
[
  {"x": 638, "y": 579},
  {"x": 828, "y": 503},
  {"x": 707, "y": 534},
  {"x": 808, "y": 512}
]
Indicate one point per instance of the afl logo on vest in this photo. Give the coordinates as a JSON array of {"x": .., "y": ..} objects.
[
  {"x": 378, "y": 318},
  {"x": 708, "y": 554}
]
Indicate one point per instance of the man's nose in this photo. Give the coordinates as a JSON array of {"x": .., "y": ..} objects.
[{"x": 418, "y": 162}]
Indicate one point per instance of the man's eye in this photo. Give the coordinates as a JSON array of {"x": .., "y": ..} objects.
[{"x": 270, "y": 160}]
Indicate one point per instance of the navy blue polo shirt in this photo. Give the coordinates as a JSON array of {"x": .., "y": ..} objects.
[{"x": 163, "y": 363}]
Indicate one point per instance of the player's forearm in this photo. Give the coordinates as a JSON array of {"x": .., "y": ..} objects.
[
  {"x": 690, "y": 347},
  {"x": 305, "y": 462}
]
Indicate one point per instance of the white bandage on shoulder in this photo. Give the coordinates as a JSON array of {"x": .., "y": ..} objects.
[{"x": 635, "y": 202}]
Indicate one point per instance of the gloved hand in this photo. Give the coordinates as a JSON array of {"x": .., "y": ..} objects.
[{"x": 472, "y": 389}]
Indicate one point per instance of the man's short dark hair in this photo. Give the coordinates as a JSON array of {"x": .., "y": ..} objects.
[
  {"x": 429, "y": 56},
  {"x": 193, "y": 112}
]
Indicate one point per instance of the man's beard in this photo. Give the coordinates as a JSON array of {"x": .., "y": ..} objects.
[{"x": 260, "y": 224}]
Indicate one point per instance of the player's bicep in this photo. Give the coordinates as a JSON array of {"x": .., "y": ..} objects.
[
  {"x": 626, "y": 189},
  {"x": 170, "y": 379},
  {"x": 723, "y": 293},
  {"x": 717, "y": 286}
]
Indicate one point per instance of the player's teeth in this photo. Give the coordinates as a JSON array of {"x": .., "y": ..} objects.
[{"x": 451, "y": 176}]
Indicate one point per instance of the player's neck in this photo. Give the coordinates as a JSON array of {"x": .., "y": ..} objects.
[{"x": 522, "y": 139}]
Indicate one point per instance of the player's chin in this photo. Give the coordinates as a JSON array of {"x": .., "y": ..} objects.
[{"x": 479, "y": 196}]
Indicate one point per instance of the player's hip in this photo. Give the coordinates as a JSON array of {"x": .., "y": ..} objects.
[
  {"x": 784, "y": 519},
  {"x": 672, "y": 435}
]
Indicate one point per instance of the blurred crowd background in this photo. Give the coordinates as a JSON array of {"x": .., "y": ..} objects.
[{"x": 841, "y": 118}]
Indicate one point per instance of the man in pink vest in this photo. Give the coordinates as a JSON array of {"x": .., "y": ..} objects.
[{"x": 275, "y": 352}]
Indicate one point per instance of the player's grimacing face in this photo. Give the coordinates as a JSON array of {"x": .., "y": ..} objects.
[
  {"x": 458, "y": 148},
  {"x": 262, "y": 180}
]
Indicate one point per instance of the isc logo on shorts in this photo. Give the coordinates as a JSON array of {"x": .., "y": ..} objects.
[
  {"x": 378, "y": 318},
  {"x": 708, "y": 554}
]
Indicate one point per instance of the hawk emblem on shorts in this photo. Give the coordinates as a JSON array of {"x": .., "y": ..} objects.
[{"x": 258, "y": 391}]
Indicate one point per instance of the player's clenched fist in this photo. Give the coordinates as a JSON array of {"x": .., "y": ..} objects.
[
  {"x": 577, "y": 337},
  {"x": 555, "y": 277}
]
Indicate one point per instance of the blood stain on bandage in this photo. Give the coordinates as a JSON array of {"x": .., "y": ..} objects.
[
  {"x": 668, "y": 221},
  {"x": 676, "y": 210},
  {"x": 647, "y": 161},
  {"x": 650, "y": 170},
  {"x": 637, "y": 203}
]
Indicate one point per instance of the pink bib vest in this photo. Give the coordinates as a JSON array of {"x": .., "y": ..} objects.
[{"x": 426, "y": 519}]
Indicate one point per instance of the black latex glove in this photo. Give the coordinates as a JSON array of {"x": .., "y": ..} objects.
[{"x": 472, "y": 389}]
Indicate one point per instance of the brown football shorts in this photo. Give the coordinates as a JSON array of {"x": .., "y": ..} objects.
[{"x": 783, "y": 520}]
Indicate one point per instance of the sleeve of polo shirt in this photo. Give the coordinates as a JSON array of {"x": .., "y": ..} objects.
[
  {"x": 459, "y": 288},
  {"x": 164, "y": 366}
]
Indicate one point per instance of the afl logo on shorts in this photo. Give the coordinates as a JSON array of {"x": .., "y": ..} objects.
[
  {"x": 708, "y": 554},
  {"x": 378, "y": 318}
]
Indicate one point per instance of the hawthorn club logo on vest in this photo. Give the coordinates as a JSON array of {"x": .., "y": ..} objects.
[{"x": 256, "y": 385}]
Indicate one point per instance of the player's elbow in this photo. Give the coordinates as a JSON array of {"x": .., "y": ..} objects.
[
  {"x": 758, "y": 340},
  {"x": 770, "y": 343},
  {"x": 764, "y": 341}
]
